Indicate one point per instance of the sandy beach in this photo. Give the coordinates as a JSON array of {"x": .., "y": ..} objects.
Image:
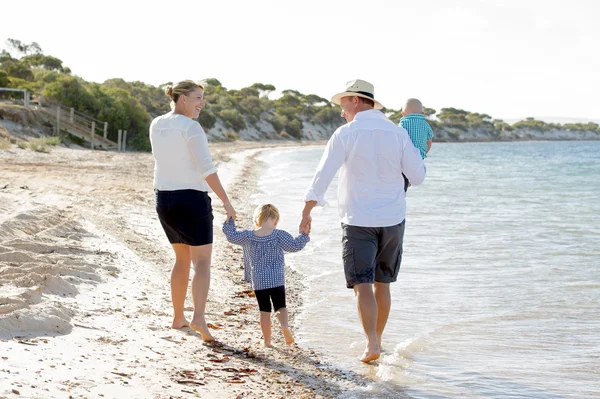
[{"x": 85, "y": 306}]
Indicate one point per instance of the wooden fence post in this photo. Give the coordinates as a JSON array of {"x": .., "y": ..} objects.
[
  {"x": 119, "y": 140},
  {"x": 93, "y": 133},
  {"x": 124, "y": 143},
  {"x": 105, "y": 129},
  {"x": 57, "y": 120},
  {"x": 72, "y": 115}
]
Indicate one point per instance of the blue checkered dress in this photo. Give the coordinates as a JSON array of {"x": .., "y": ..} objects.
[
  {"x": 263, "y": 256},
  {"x": 418, "y": 130}
]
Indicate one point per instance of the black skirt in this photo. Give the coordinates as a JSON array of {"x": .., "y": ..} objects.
[{"x": 186, "y": 216}]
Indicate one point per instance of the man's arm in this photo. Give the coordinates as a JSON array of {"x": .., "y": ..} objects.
[
  {"x": 305, "y": 223},
  {"x": 429, "y": 143},
  {"x": 333, "y": 158}
]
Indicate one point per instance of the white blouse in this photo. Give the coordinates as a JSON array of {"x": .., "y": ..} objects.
[{"x": 182, "y": 159}]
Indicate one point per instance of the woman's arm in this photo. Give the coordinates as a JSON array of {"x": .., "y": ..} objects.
[
  {"x": 215, "y": 184},
  {"x": 198, "y": 144}
]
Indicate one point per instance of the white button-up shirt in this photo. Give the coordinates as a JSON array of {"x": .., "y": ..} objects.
[
  {"x": 372, "y": 153},
  {"x": 182, "y": 159}
]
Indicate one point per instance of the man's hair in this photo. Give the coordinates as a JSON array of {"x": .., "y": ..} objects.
[
  {"x": 366, "y": 101},
  {"x": 265, "y": 212}
]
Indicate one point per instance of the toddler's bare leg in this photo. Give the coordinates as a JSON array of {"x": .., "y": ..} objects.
[
  {"x": 265, "y": 326},
  {"x": 282, "y": 315}
]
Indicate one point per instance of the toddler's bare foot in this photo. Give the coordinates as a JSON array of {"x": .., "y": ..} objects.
[
  {"x": 180, "y": 323},
  {"x": 289, "y": 338},
  {"x": 370, "y": 354},
  {"x": 201, "y": 328}
]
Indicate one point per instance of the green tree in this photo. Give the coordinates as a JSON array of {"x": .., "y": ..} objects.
[
  {"x": 233, "y": 119},
  {"x": 3, "y": 78}
]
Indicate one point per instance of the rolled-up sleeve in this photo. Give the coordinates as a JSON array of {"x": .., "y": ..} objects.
[
  {"x": 198, "y": 144},
  {"x": 333, "y": 158},
  {"x": 413, "y": 166}
]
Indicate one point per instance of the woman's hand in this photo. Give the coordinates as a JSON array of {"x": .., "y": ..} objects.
[{"x": 230, "y": 211}]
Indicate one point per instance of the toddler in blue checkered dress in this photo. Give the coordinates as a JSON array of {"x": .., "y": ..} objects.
[
  {"x": 418, "y": 129},
  {"x": 264, "y": 264}
]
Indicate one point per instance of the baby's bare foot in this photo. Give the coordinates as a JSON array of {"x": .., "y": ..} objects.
[{"x": 289, "y": 338}]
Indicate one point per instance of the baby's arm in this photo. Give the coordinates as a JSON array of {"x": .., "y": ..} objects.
[
  {"x": 291, "y": 244},
  {"x": 429, "y": 138},
  {"x": 234, "y": 236}
]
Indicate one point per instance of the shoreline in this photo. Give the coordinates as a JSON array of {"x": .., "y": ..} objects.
[{"x": 92, "y": 296}]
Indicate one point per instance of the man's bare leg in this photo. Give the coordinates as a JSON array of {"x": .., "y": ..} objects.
[
  {"x": 265, "y": 326},
  {"x": 282, "y": 315},
  {"x": 201, "y": 256},
  {"x": 384, "y": 303},
  {"x": 367, "y": 313},
  {"x": 179, "y": 282}
]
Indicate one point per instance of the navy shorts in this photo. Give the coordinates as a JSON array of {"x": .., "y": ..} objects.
[
  {"x": 372, "y": 254},
  {"x": 186, "y": 216},
  {"x": 264, "y": 298}
]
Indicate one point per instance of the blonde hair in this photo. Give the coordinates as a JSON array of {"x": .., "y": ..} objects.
[
  {"x": 183, "y": 87},
  {"x": 265, "y": 212}
]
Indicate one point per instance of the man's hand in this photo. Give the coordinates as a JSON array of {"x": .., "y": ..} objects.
[{"x": 305, "y": 224}]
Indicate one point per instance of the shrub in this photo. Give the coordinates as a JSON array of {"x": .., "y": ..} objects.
[
  {"x": 39, "y": 145},
  {"x": 294, "y": 128},
  {"x": 232, "y": 136},
  {"x": 233, "y": 118},
  {"x": 4, "y": 144},
  {"x": 207, "y": 119}
]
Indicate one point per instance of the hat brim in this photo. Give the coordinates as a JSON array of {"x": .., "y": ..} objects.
[{"x": 338, "y": 97}]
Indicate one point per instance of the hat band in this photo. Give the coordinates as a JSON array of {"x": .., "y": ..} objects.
[{"x": 364, "y": 93}]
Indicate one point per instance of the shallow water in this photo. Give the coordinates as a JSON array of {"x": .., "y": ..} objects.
[{"x": 499, "y": 291}]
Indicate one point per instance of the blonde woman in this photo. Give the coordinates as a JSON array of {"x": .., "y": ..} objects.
[{"x": 184, "y": 174}]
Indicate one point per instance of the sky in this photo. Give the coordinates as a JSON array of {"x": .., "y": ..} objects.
[{"x": 509, "y": 59}]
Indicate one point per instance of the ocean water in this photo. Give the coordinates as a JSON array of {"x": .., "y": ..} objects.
[{"x": 499, "y": 291}]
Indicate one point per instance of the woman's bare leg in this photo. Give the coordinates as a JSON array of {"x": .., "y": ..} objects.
[
  {"x": 180, "y": 276},
  {"x": 201, "y": 257}
]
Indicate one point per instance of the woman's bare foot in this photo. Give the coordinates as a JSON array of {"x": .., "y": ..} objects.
[
  {"x": 180, "y": 323},
  {"x": 370, "y": 354},
  {"x": 289, "y": 338},
  {"x": 201, "y": 328}
]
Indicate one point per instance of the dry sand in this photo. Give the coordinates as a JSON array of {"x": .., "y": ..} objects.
[{"x": 85, "y": 306}]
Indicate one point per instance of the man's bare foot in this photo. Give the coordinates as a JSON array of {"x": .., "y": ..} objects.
[
  {"x": 202, "y": 329},
  {"x": 289, "y": 338},
  {"x": 370, "y": 354},
  {"x": 180, "y": 323}
]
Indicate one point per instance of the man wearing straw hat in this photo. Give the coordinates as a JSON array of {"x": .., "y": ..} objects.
[{"x": 372, "y": 153}]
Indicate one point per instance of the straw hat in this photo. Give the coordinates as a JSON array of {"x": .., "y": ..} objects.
[{"x": 358, "y": 88}]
